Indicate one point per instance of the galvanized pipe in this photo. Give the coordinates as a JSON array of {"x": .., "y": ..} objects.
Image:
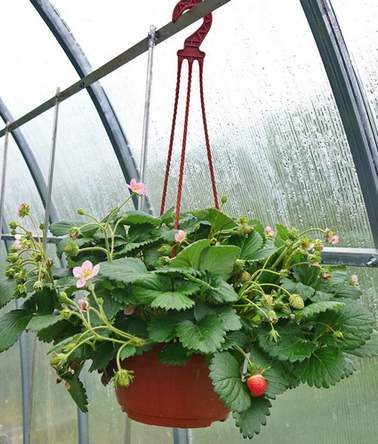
[{"x": 4, "y": 173}]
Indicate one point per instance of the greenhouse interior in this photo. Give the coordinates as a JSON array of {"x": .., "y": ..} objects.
[{"x": 189, "y": 214}]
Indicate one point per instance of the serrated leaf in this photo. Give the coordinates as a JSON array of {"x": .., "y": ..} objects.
[
  {"x": 318, "y": 307},
  {"x": 226, "y": 378},
  {"x": 103, "y": 355},
  {"x": 305, "y": 291},
  {"x": 251, "y": 245},
  {"x": 163, "y": 328},
  {"x": 174, "y": 354},
  {"x": 162, "y": 291},
  {"x": 7, "y": 286},
  {"x": 347, "y": 291},
  {"x": 350, "y": 365},
  {"x": 291, "y": 345},
  {"x": 206, "y": 335},
  {"x": 126, "y": 270},
  {"x": 77, "y": 392},
  {"x": 190, "y": 256},
  {"x": 266, "y": 251},
  {"x": 63, "y": 227},
  {"x": 127, "y": 351},
  {"x": 12, "y": 324},
  {"x": 320, "y": 296},
  {"x": 251, "y": 420},
  {"x": 41, "y": 322},
  {"x": 323, "y": 369},
  {"x": 140, "y": 217},
  {"x": 353, "y": 320},
  {"x": 218, "y": 220},
  {"x": 369, "y": 349},
  {"x": 219, "y": 260},
  {"x": 57, "y": 332},
  {"x": 221, "y": 290},
  {"x": 230, "y": 319},
  {"x": 307, "y": 274}
]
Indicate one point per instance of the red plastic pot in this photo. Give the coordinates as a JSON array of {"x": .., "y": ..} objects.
[{"x": 170, "y": 396}]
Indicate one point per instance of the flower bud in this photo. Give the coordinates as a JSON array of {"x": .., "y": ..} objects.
[
  {"x": 65, "y": 313},
  {"x": 243, "y": 220},
  {"x": 164, "y": 260},
  {"x": 74, "y": 233},
  {"x": 38, "y": 286},
  {"x": 239, "y": 265},
  {"x": 13, "y": 225},
  {"x": 338, "y": 335},
  {"x": 58, "y": 360},
  {"x": 267, "y": 300},
  {"x": 80, "y": 211},
  {"x": 296, "y": 302},
  {"x": 273, "y": 318},
  {"x": 63, "y": 297},
  {"x": 224, "y": 200},
  {"x": 41, "y": 226},
  {"x": 23, "y": 209},
  {"x": 72, "y": 249},
  {"x": 165, "y": 250}
]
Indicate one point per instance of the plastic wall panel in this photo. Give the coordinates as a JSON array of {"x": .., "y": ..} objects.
[
  {"x": 279, "y": 146},
  {"x": 87, "y": 173},
  {"x": 33, "y": 65},
  {"x": 359, "y": 26}
]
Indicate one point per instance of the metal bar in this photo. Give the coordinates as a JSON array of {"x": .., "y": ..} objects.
[
  {"x": 127, "y": 56},
  {"x": 4, "y": 173},
  {"x": 356, "y": 257},
  {"x": 30, "y": 160},
  {"x": 182, "y": 436},
  {"x": 147, "y": 107},
  {"x": 102, "y": 103},
  {"x": 350, "y": 97},
  {"x": 82, "y": 427},
  {"x": 51, "y": 170},
  {"x": 50, "y": 239}
]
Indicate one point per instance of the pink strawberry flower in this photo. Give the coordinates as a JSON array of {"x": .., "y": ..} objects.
[
  {"x": 83, "y": 304},
  {"x": 180, "y": 236},
  {"x": 17, "y": 243},
  {"x": 138, "y": 188},
  {"x": 269, "y": 231},
  {"x": 85, "y": 272},
  {"x": 335, "y": 239}
]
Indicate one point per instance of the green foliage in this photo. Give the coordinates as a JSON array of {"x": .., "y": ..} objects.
[
  {"x": 318, "y": 307},
  {"x": 125, "y": 270},
  {"x": 77, "y": 390},
  {"x": 40, "y": 322},
  {"x": 12, "y": 324},
  {"x": 226, "y": 378},
  {"x": 174, "y": 354},
  {"x": 250, "y": 421}
]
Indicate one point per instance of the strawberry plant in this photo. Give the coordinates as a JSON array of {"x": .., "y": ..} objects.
[{"x": 256, "y": 302}]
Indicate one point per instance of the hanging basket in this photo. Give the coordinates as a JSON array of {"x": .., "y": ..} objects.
[{"x": 171, "y": 396}]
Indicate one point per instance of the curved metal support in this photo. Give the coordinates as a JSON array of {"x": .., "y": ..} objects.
[
  {"x": 99, "y": 98},
  {"x": 30, "y": 160},
  {"x": 350, "y": 98}
]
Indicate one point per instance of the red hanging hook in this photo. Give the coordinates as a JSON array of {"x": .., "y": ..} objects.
[{"x": 191, "y": 52}]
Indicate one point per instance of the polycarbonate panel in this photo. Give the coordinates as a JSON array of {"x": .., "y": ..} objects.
[
  {"x": 53, "y": 411},
  {"x": 359, "y": 25},
  {"x": 32, "y": 63},
  {"x": 87, "y": 174},
  {"x": 279, "y": 146}
]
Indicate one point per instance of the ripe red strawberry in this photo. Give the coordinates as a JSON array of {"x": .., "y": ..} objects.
[{"x": 257, "y": 385}]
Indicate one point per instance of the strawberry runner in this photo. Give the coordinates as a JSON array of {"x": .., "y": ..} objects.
[{"x": 191, "y": 53}]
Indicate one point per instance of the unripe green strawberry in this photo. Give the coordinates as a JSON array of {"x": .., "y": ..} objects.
[
  {"x": 245, "y": 277},
  {"x": 296, "y": 301},
  {"x": 257, "y": 385},
  {"x": 267, "y": 300}
]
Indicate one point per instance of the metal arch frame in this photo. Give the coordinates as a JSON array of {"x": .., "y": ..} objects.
[
  {"x": 351, "y": 101},
  {"x": 101, "y": 101},
  {"x": 30, "y": 160}
]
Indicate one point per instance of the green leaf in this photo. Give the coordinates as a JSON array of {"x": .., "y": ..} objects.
[
  {"x": 63, "y": 227},
  {"x": 251, "y": 420},
  {"x": 103, "y": 355},
  {"x": 220, "y": 260},
  {"x": 162, "y": 291},
  {"x": 139, "y": 217},
  {"x": 126, "y": 270},
  {"x": 231, "y": 321},
  {"x": 220, "y": 290},
  {"x": 275, "y": 374},
  {"x": 266, "y": 251},
  {"x": 40, "y": 322},
  {"x": 77, "y": 392},
  {"x": 218, "y": 220},
  {"x": 226, "y": 377},
  {"x": 305, "y": 291},
  {"x": 174, "y": 354},
  {"x": 369, "y": 349},
  {"x": 307, "y": 274},
  {"x": 353, "y": 320},
  {"x": 251, "y": 245},
  {"x": 7, "y": 286},
  {"x": 57, "y": 332},
  {"x": 127, "y": 351},
  {"x": 318, "y": 307},
  {"x": 12, "y": 324},
  {"x": 163, "y": 328},
  {"x": 291, "y": 345},
  {"x": 323, "y": 369},
  {"x": 347, "y": 291},
  {"x": 206, "y": 336},
  {"x": 190, "y": 256},
  {"x": 235, "y": 338}
]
